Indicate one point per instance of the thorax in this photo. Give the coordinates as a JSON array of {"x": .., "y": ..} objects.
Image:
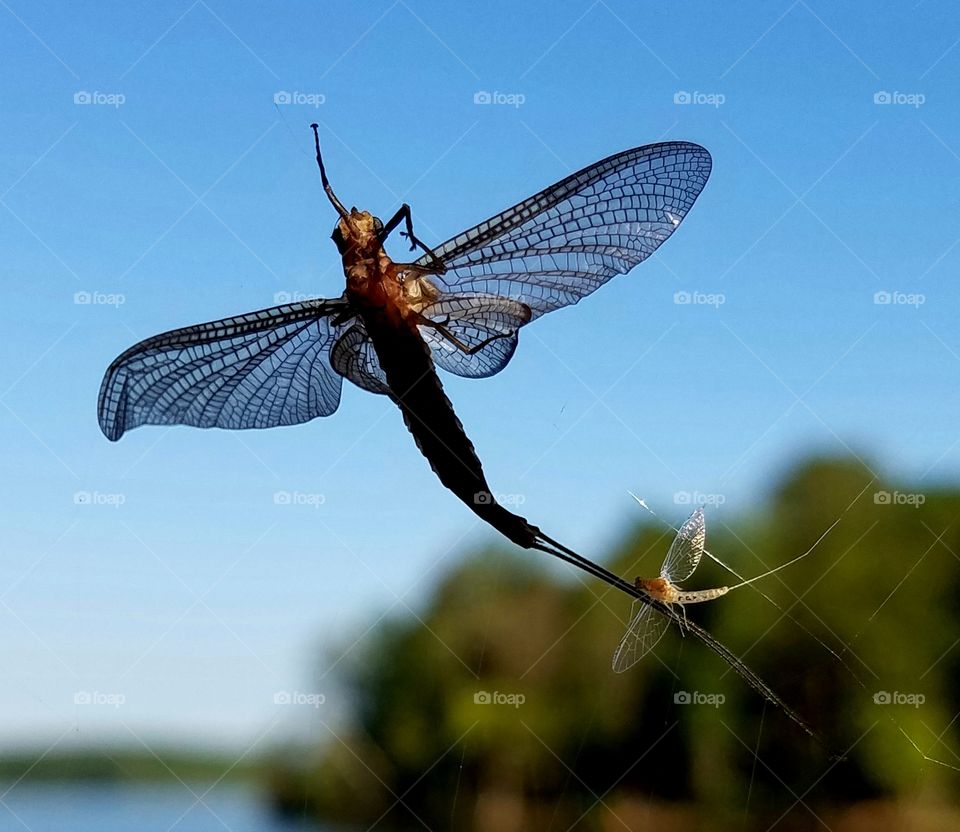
[
  {"x": 384, "y": 292},
  {"x": 660, "y": 589}
]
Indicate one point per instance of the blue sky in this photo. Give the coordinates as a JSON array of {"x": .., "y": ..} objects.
[{"x": 144, "y": 166}]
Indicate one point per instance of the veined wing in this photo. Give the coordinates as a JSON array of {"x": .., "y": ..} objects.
[
  {"x": 354, "y": 357},
  {"x": 486, "y": 325},
  {"x": 561, "y": 244},
  {"x": 686, "y": 550},
  {"x": 646, "y": 628},
  {"x": 258, "y": 370}
]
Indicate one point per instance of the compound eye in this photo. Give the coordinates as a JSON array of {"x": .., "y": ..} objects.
[{"x": 377, "y": 224}]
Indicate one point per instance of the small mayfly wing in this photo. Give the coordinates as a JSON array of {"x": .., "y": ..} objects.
[
  {"x": 646, "y": 628},
  {"x": 686, "y": 550}
]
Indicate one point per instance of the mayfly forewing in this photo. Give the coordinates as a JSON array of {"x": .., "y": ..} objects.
[
  {"x": 646, "y": 628},
  {"x": 561, "y": 244},
  {"x": 686, "y": 550}
]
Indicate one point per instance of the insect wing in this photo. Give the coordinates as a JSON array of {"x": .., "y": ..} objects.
[
  {"x": 561, "y": 244},
  {"x": 686, "y": 550},
  {"x": 646, "y": 628},
  {"x": 487, "y": 325},
  {"x": 257, "y": 370},
  {"x": 353, "y": 356}
]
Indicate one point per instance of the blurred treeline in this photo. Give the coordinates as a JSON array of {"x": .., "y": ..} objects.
[{"x": 589, "y": 749}]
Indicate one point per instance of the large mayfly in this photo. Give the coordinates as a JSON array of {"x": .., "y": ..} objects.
[{"x": 459, "y": 307}]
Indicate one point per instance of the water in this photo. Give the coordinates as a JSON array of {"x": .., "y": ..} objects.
[{"x": 137, "y": 808}]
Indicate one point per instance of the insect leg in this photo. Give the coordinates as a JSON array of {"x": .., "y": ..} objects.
[
  {"x": 404, "y": 215},
  {"x": 446, "y": 333}
]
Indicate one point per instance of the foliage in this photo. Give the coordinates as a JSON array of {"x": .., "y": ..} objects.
[{"x": 868, "y": 613}]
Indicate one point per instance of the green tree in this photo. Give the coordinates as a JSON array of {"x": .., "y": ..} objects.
[{"x": 496, "y": 706}]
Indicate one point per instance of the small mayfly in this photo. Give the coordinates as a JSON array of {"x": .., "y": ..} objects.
[{"x": 647, "y": 626}]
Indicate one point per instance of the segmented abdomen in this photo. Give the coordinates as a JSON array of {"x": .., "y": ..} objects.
[
  {"x": 429, "y": 416},
  {"x": 701, "y": 595}
]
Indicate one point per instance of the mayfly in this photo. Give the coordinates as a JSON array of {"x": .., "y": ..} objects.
[
  {"x": 646, "y": 627},
  {"x": 460, "y": 307},
  {"x": 655, "y": 595}
]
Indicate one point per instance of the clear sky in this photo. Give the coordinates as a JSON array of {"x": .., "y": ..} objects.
[{"x": 144, "y": 165}]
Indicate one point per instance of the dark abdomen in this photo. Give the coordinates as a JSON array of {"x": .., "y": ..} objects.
[{"x": 430, "y": 417}]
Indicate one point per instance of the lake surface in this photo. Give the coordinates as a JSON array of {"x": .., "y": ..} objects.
[{"x": 31, "y": 807}]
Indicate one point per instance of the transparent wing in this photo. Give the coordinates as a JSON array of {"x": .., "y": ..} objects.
[
  {"x": 258, "y": 370},
  {"x": 486, "y": 325},
  {"x": 646, "y": 628},
  {"x": 561, "y": 244},
  {"x": 354, "y": 357},
  {"x": 686, "y": 550}
]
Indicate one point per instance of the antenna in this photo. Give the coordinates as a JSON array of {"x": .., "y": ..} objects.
[{"x": 323, "y": 175}]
